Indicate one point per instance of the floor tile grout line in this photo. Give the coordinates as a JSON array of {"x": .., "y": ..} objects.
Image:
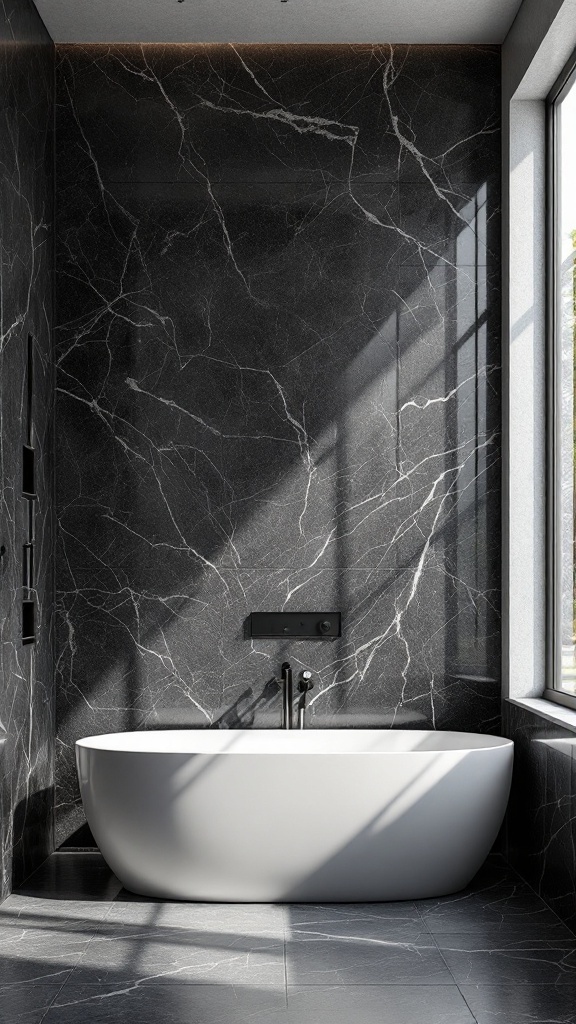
[
  {"x": 96, "y": 986},
  {"x": 423, "y": 920},
  {"x": 381, "y": 984},
  {"x": 473, "y": 1015},
  {"x": 108, "y": 912},
  {"x": 538, "y": 896},
  {"x": 84, "y": 953},
  {"x": 51, "y": 1003},
  {"x": 448, "y": 968}
]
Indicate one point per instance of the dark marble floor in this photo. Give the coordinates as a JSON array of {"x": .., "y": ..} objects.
[{"x": 75, "y": 948}]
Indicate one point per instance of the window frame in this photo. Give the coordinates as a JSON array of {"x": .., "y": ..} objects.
[{"x": 553, "y": 691}]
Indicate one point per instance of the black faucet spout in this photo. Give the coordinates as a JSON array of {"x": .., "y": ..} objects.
[
  {"x": 288, "y": 695},
  {"x": 303, "y": 687}
]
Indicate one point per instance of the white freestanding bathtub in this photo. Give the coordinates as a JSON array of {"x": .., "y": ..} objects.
[{"x": 276, "y": 816}]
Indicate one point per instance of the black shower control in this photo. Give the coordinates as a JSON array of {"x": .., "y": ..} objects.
[
  {"x": 28, "y": 622},
  {"x": 301, "y": 625},
  {"x": 28, "y": 474}
]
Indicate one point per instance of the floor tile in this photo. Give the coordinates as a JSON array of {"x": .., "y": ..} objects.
[
  {"x": 299, "y": 914},
  {"x": 75, "y": 938},
  {"x": 26, "y": 1004},
  {"x": 497, "y": 898},
  {"x": 376, "y": 921},
  {"x": 375, "y": 1004},
  {"x": 233, "y": 919},
  {"x": 175, "y": 1004},
  {"x": 72, "y": 876},
  {"x": 53, "y": 915},
  {"x": 502, "y": 905},
  {"x": 213, "y": 1004},
  {"x": 163, "y": 955},
  {"x": 495, "y": 960},
  {"x": 32, "y": 954},
  {"x": 490, "y": 934},
  {"x": 521, "y": 1004},
  {"x": 519, "y": 929},
  {"x": 346, "y": 958}
]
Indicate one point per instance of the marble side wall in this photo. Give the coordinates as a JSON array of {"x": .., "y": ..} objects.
[
  {"x": 277, "y": 384},
  {"x": 26, "y": 240},
  {"x": 541, "y": 819}
]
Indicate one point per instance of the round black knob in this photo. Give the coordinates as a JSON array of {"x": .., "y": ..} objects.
[
  {"x": 304, "y": 683},
  {"x": 325, "y": 626}
]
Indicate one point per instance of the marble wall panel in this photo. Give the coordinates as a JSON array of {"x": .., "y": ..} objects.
[
  {"x": 277, "y": 384},
  {"x": 541, "y": 820},
  {"x": 213, "y": 113},
  {"x": 26, "y": 213}
]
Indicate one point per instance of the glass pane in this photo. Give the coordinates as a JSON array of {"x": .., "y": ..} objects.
[{"x": 566, "y": 306}]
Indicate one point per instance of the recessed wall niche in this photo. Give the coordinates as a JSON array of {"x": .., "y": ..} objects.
[{"x": 30, "y": 498}]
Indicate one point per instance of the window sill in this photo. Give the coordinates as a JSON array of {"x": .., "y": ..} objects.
[{"x": 556, "y": 713}]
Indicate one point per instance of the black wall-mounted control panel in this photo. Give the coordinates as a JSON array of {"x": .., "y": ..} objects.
[{"x": 300, "y": 625}]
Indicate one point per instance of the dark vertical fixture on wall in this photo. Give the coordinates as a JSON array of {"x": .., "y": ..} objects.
[
  {"x": 29, "y": 493},
  {"x": 27, "y": 695}
]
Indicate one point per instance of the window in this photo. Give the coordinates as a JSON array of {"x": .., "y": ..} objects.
[{"x": 562, "y": 391}]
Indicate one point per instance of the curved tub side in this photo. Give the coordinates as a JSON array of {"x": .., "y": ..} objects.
[{"x": 295, "y": 827}]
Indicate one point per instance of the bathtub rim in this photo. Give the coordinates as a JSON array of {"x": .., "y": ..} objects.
[{"x": 119, "y": 742}]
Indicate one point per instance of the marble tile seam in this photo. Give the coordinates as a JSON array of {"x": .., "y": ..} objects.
[
  {"x": 58, "y": 990},
  {"x": 246, "y": 567},
  {"x": 319, "y": 182}
]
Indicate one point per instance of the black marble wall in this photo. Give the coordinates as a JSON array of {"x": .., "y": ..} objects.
[
  {"x": 541, "y": 819},
  {"x": 26, "y": 202},
  {"x": 278, "y": 385}
]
